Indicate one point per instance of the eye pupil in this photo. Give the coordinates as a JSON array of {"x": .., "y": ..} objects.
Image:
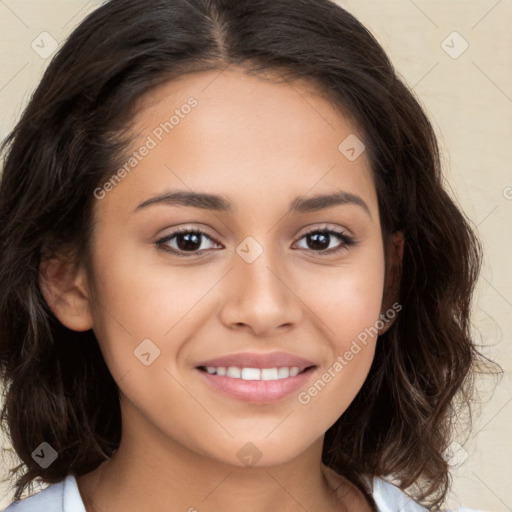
[
  {"x": 319, "y": 238},
  {"x": 186, "y": 241},
  {"x": 191, "y": 241}
]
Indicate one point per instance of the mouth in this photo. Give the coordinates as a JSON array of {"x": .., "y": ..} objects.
[
  {"x": 256, "y": 378},
  {"x": 265, "y": 374}
]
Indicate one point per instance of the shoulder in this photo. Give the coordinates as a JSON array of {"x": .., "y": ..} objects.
[
  {"x": 63, "y": 496},
  {"x": 390, "y": 498},
  {"x": 387, "y": 497}
]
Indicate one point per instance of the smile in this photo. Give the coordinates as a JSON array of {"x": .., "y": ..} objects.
[
  {"x": 234, "y": 372},
  {"x": 256, "y": 378}
]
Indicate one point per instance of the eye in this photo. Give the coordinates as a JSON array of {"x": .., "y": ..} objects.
[
  {"x": 184, "y": 240},
  {"x": 187, "y": 240},
  {"x": 322, "y": 238}
]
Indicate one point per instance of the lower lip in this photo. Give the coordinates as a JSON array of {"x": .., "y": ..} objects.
[{"x": 257, "y": 391}]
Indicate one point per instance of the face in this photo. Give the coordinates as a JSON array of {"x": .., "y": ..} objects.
[{"x": 253, "y": 323}]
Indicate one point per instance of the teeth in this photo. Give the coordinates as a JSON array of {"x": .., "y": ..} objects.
[
  {"x": 294, "y": 371},
  {"x": 251, "y": 374},
  {"x": 283, "y": 373},
  {"x": 254, "y": 373},
  {"x": 233, "y": 372},
  {"x": 269, "y": 374}
]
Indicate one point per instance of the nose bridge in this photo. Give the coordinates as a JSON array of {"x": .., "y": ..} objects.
[
  {"x": 260, "y": 270},
  {"x": 258, "y": 294},
  {"x": 259, "y": 265}
]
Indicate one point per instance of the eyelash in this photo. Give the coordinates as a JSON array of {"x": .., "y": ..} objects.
[{"x": 161, "y": 244}]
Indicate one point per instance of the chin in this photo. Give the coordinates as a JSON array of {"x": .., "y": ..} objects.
[{"x": 259, "y": 451}]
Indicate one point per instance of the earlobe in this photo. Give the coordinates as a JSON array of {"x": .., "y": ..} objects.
[
  {"x": 393, "y": 277},
  {"x": 64, "y": 286}
]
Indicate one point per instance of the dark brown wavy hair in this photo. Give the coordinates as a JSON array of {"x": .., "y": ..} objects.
[{"x": 72, "y": 136}]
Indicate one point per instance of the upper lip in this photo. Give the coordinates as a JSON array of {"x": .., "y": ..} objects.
[{"x": 254, "y": 360}]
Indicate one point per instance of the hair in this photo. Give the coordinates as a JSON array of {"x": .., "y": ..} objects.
[{"x": 73, "y": 134}]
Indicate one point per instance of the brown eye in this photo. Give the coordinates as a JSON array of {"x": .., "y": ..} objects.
[
  {"x": 184, "y": 241},
  {"x": 319, "y": 240}
]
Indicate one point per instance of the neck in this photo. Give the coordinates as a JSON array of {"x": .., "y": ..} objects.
[{"x": 142, "y": 475}]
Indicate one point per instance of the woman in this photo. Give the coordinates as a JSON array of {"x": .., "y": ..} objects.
[{"x": 231, "y": 277}]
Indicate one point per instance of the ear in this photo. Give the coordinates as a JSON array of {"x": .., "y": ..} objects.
[
  {"x": 395, "y": 253},
  {"x": 64, "y": 286}
]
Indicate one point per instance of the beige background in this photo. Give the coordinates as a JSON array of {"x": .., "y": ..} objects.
[{"x": 469, "y": 100}]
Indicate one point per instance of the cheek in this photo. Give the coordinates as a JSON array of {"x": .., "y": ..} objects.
[
  {"x": 346, "y": 298},
  {"x": 354, "y": 310},
  {"x": 348, "y": 306},
  {"x": 134, "y": 292},
  {"x": 138, "y": 300},
  {"x": 334, "y": 389},
  {"x": 350, "y": 313}
]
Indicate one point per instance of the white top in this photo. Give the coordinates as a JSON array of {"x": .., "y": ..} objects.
[{"x": 64, "y": 496}]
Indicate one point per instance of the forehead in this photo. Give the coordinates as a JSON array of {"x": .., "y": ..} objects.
[
  {"x": 266, "y": 138},
  {"x": 259, "y": 105}
]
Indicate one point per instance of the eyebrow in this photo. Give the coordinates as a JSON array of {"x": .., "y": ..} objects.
[{"x": 221, "y": 204}]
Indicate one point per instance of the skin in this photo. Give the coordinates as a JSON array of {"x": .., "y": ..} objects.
[{"x": 260, "y": 145}]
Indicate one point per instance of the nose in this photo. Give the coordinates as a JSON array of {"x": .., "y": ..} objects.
[{"x": 260, "y": 297}]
